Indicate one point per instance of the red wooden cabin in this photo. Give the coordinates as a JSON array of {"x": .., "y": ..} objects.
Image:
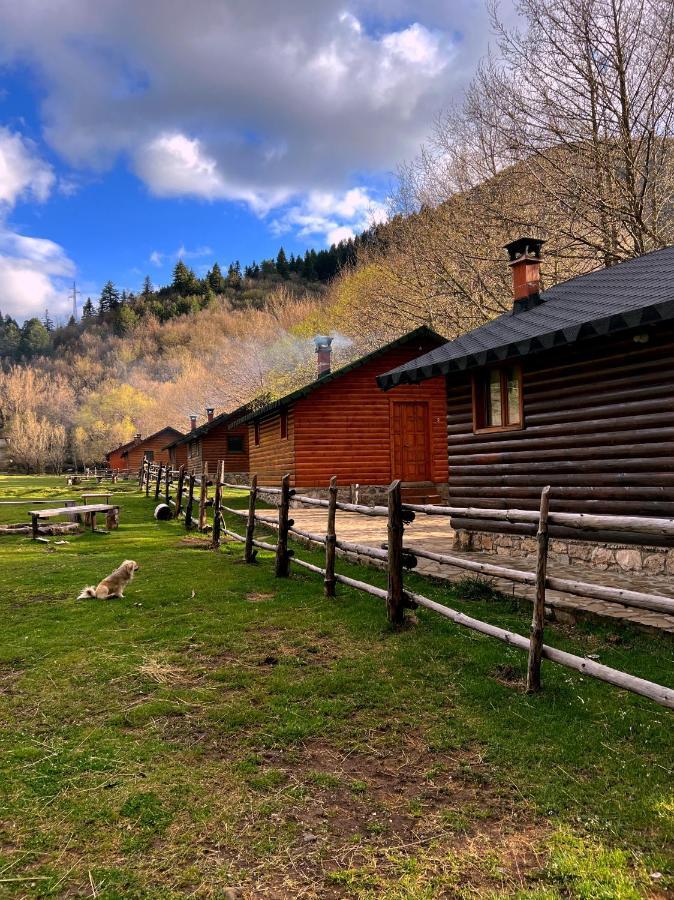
[
  {"x": 211, "y": 442},
  {"x": 343, "y": 425},
  {"x": 131, "y": 454}
]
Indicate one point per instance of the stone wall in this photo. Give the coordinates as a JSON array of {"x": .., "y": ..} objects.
[{"x": 615, "y": 557}]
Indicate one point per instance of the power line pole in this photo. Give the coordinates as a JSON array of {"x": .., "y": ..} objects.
[{"x": 75, "y": 293}]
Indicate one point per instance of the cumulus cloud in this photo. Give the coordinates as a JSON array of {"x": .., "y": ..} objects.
[
  {"x": 257, "y": 103},
  {"x": 31, "y": 269},
  {"x": 332, "y": 216}
]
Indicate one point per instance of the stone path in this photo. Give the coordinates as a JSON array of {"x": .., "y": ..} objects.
[{"x": 435, "y": 533}]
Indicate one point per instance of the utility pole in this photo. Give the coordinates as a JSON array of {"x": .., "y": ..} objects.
[{"x": 75, "y": 293}]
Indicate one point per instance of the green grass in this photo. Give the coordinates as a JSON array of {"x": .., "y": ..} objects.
[{"x": 219, "y": 728}]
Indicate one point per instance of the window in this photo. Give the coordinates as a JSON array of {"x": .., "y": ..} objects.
[
  {"x": 284, "y": 424},
  {"x": 497, "y": 399},
  {"x": 235, "y": 443},
  {"x": 257, "y": 432},
  {"x": 149, "y": 455}
]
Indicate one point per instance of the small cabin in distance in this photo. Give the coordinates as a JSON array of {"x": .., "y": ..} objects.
[
  {"x": 132, "y": 454},
  {"x": 341, "y": 424},
  {"x": 211, "y": 442}
]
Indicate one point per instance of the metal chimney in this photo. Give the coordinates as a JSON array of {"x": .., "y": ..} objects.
[
  {"x": 209, "y": 413},
  {"x": 324, "y": 354},
  {"x": 525, "y": 261}
]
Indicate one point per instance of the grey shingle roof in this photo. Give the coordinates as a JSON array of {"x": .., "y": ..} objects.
[{"x": 634, "y": 293}]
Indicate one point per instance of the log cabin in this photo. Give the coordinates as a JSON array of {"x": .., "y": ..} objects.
[
  {"x": 213, "y": 441},
  {"x": 341, "y": 424},
  {"x": 573, "y": 388},
  {"x": 131, "y": 454}
]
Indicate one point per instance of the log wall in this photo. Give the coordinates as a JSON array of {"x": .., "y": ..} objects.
[
  {"x": 274, "y": 457},
  {"x": 598, "y": 428}
]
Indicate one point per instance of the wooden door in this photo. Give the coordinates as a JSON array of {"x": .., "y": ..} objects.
[{"x": 410, "y": 440}]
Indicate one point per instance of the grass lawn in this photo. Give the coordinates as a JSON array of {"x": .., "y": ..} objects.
[{"x": 220, "y": 733}]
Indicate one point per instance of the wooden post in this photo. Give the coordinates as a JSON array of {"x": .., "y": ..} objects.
[
  {"x": 217, "y": 503},
  {"x": 331, "y": 540},
  {"x": 141, "y": 474},
  {"x": 147, "y": 477},
  {"x": 282, "y": 555},
  {"x": 167, "y": 485},
  {"x": 203, "y": 496},
  {"x": 190, "y": 502},
  {"x": 538, "y": 619},
  {"x": 395, "y": 594},
  {"x": 250, "y": 552},
  {"x": 35, "y": 526},
  {"x": 157, "y": 487},
  {"x": 179, "y": 493}
]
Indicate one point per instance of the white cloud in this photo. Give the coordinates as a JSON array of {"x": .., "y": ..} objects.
[
  {"x": 333, "y": 216},
  {"x": 31, "y": 269},
  {"x": 206, "y": 103},
  {"x": 32, "y": 276},
  {"x": 159, "y": 258},
  {"x": 156, "y": 258},
  {"x": 23, "y": 174}
]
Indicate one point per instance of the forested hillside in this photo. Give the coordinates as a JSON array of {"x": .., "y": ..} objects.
[{"x": 569, "y": 138}]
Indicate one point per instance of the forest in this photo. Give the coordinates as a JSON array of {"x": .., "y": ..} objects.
[{"x": 565, "y": 134}]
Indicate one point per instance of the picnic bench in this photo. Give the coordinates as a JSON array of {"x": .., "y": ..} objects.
[
  {"x": 89, "y": 511},
  {"x": 105, "y": 494}
]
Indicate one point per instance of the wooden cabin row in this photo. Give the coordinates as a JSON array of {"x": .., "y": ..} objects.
[{"x": 572, "y": 387}]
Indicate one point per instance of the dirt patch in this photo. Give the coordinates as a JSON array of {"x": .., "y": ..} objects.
[
  {"x": 364, "y": 816},
  {"x": 259, "y": 597},
  {"x": 194, "y": 543},
  {"x": 9, "y": 678}
]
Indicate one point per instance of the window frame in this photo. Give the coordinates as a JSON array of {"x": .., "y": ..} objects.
[
  {"x": 479, "y": 381},
  {"x": 256, "y": 432},
  {"x": 149, "y": 455},
  {"x": 240, "y": 439},
  {"x": 283, "y": 423}
]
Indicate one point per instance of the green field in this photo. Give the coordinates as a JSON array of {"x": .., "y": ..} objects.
[{"x": 220, "y": 733}]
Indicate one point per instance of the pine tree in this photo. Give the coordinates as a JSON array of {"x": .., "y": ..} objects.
[
  {"x": 215, "y": 279},
  {"x": 109, "y": 301},
  {"x": 184, "y": 279},
  {"x": 48, "y": 323},
  {"x": 147, "y": 286},
  {"x": 88, "y": 309},
  {"x": 282, "y": 264}
]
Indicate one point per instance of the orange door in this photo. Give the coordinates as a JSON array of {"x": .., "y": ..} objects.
[{"x": 410, "y": 441}]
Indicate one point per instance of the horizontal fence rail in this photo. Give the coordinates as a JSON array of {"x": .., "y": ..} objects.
[{"x": 398, "y": 557}]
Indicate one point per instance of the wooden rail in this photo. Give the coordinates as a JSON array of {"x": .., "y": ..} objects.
[{"x": 397, "y": 556}]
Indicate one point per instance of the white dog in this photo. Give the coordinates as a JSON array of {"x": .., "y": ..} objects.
[{"x": 114, "y": 584}]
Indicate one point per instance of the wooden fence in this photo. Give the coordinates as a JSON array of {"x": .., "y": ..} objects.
[{"x": 157, "y": 480}]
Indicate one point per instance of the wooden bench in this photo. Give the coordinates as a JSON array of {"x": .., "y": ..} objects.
[
  {"x": 76, "y": 512},
  {"x": 105, "y": 494}
]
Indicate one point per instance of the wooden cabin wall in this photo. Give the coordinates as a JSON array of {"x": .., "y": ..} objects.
[
  {"x": 599, "y": 428},
  {"x": 115, "y": 460},
  {"x": 213, "y": 448},
  {"x": 134, "y": 456},
  {"x": 274, "y": 456},
  {"x": 343, "y": 428},
  {"x": 194, "y": 459}
]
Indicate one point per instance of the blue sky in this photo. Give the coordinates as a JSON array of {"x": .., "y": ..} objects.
[{"x": 132, "y": 134}]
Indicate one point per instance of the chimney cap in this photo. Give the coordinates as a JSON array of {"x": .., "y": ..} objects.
[
  {"x": 210, "y": 409},
  {"x": 322, "y": 342},
  {"x": 524, "y": 248}
]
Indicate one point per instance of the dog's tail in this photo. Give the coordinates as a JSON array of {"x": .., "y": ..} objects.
[{"x": 87, "y": 592}]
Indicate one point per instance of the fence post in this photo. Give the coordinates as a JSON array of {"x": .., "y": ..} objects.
[
  {"x": 203, "y": 495},
  {"x": 179, "y": 493},
  {"x": 331, "y": 540},
  {"x": 538, "y": 618},
  {"x": 147, "y": 477},
  {"x": 284, "y": 523},
  {"x": 190, "y": 502},
  {"x": 217, "y": 503},
  {"x": 250, "y": 552},
  {"x": 395, "y": 597},
  {"x": 141, "y": 474},
  {"x": 168, "y": 477},
  {"x": 157, "y": 487}
]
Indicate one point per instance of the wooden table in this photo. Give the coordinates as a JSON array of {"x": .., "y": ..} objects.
[
  {"x": 107, "y": 496},
  {"x": 89, "y": 510}
]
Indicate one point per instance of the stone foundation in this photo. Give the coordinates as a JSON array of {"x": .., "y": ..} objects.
[{"x": 611, "y": 557}]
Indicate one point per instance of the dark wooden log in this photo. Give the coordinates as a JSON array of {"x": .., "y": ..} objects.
[
  {"x": 330, "y": 541},
  {"x": 249, "y": 552},
  {"x": 189, "y": 509},
  {"x": 157, "y": 487},
  {"x": 147, "y": 477},
  {"x": 395, "y": 593},
  {"x": 179, "y": 492},
  {"x": 538, "y": 618},
  {"x": 203, "y": 496},
  {"x": 35, "y": 526},
  {"x": 283, "y": 526},
  {"x": 167, "y": 485},
  {"x": 217, "y": 504}
]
